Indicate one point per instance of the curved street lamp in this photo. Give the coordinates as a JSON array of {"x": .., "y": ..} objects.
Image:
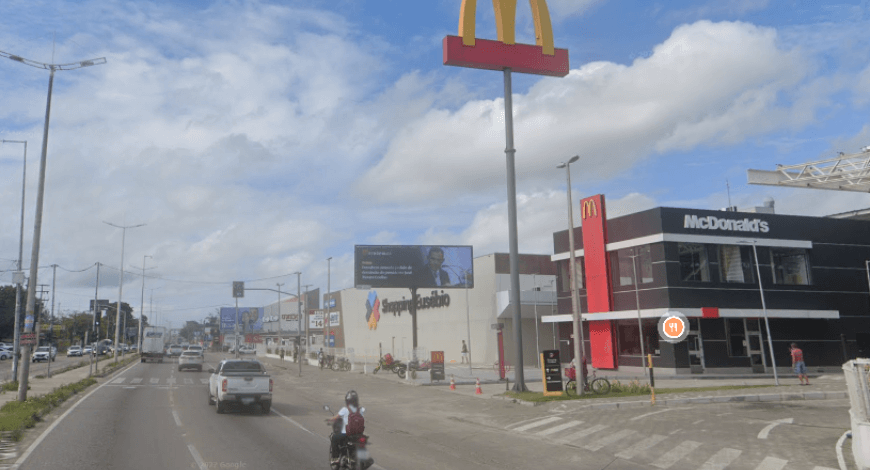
[{"x": 572, "y": 273}]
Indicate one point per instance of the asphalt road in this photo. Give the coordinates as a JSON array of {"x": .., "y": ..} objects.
[{"x": 152, "y": 416}]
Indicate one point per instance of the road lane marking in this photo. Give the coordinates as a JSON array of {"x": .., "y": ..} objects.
[
  {"x": 698, "y": 422},
  {"x": 581, "y": 434},
  {"x": 200, "y": 464},
  {"x": 649, "y": 414},
  {"x": 607, "y": 440},
  {"x": 119, "y": 380},
  {"x": 766, "y": 431},
  {"x": 171, "y": 380},
  {"x": 136, "y": 380},
  {"x": 641, "y": 446},
  {"x": 155, "y": 381},
  {"x": 177, "y": 419},
  {"x": 840, "y": 459},
  {"x": 823, "y": 468},
  {"x": 188, "y": 381},
  {"x": 38, "y": 440},
  {"x": 296, "y": 424},
  {"x": 204, "y": 381},
  {"x": 537, "y": 423},
  {"x": 561, "y": 427},
  {"x": 676, "y": 454},
  {"x": 771, "y": 463},
  {"x": 721, "y": 459}
]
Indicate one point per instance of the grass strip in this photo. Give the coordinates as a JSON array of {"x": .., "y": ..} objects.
[{"x": 18, "y": 416}]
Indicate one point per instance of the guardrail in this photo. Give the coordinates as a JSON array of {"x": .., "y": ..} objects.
[{"x": 857, "y": 374}]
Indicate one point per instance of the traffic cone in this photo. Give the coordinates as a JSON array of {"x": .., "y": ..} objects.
[
  {"x": 452, "y": 383},
  {"x": 478, "y": 391}
]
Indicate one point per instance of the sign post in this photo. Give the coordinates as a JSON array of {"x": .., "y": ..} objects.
[
  {"x": 552, "y": 372},
  {"x": 436, "y": 370}
]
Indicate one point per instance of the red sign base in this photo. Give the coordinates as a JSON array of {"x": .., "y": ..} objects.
[{"x": 496, "y": 55}]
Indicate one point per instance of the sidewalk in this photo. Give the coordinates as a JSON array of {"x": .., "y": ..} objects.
[{"x": 824, "y": 386}]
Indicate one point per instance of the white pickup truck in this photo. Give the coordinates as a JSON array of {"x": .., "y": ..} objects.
[{"x": 242, "y": 382}]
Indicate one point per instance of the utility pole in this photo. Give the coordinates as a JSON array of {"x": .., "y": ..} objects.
[
  {"x": 51, "y": 318},
  {"x": 19, "y": 275},
  {"x": 142, "y": 305},
  {"x": 280, "y": 336},
  {"x": 120, "y": 281},
  {"x": 328, "y": 300},
  {"x": 304, "y": 318}
]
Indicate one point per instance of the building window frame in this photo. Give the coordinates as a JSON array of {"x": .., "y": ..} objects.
[
  {"x": 735, "y": 264},
  {"x": 694, "y": 262},
  {"x": 790, "y": 266}
]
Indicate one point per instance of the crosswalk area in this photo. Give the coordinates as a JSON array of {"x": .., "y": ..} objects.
[
  {"x": 159, "y": 382},
  {"x": 663, "y": 451}
]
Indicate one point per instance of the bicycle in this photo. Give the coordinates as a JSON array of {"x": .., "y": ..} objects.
[
  {"x": 597, "y": 385},
  {"x": 507, "y": 367}
]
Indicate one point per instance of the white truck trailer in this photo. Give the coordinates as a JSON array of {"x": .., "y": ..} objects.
[{"x": 153, "y": 343}]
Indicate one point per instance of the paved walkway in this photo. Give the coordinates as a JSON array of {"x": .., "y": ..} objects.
[
  {"x": 824, "y": 386},
  {"x": 42, "y": 386}
]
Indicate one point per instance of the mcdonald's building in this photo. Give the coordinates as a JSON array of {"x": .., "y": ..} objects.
[{"x": 634, "y": 269}]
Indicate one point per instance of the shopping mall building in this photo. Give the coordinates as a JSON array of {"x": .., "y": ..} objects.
[{"x": 701, "y": 263}]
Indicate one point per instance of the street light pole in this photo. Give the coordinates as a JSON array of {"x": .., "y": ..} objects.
[
  {"x": 572, "y": 274},
  {"x": 764, "y": 310},
  {"x": 120, "y": 282},
  {"x": 299, "y": 328},
  {"x": 299, "y": 306},
  {"x": 328, "y": 300},
  {"x": 280, "y": 336},
  {"x": 537, "y": 335},
  {"x": 142, "y": 305},
  {"x": 639, "y": 322},
  {"x": 16, "y": 345},
  {"x": 37, "y": 226}
]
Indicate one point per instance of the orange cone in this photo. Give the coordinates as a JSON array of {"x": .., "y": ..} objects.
[
  {"x": 478, "y": 391},
  {"x": 452, "y": 383}
]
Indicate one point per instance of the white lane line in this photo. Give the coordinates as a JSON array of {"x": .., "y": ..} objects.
[
  {"x": 188, "y": 381},
  {"x": 561, "y": 427},
  {"x": 766, "y": 431},
  {"x": 136, "y": 380},
  {"x": 698, "y": 422},
  {"x": 641, "y": 446},
  {"x": 841, "y": 461},
  {"x": 676, "y": 454},
  {"x": 581, "y": 434},
  {"x": 649, "y": 414},
  {"x": 823, "y": 468},
  {"x": 607, "y": 440},
  {"x": 721, "y": 459},
  {"x": 177, "y": 419},
  {"x": 200, "y": 464},
  {"x": 537, "y": 423},
  {"x": 771, "y": 463},
  {"x": 119, "y": 380},
  {"x": 204, "y": 381},
  {"x": 295, "y": 423},
  {"x": 155, "y": 381},
  {"x": 171, "y": 380},
  {"x": 53, "y": 425}
]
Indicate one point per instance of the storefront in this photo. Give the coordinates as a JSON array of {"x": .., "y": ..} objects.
[{"x": 701, "y": 263}]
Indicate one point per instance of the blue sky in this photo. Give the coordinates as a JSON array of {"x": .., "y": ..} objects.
[{"x": 257, "y": 139}]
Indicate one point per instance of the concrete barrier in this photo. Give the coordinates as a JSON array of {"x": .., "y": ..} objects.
[{"x": 858, "y": 386}]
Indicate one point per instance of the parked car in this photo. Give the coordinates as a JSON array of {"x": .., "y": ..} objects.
[
  {"x": 74, "y": 351},
  {"x": 190, "y": 360},
  {"x": 247, "y": 350},
  {"x": 87, "y": 350},
  {"x": 5, "y": 354},
  {"x": 44, "y": 353}
]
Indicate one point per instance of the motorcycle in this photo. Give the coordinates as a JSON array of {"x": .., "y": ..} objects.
[
  {"x": 353, "y": 452},
  {"x": 342, "y": 363},
  {"x": 326, "y": 361},
  {"x": 420, "y": 365},
  {"x": 387, "y": 363}
]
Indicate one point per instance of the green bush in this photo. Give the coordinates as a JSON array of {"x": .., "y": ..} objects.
[
  {"x": 17, "y": 416},
  {"x": 633, "y": 387}
]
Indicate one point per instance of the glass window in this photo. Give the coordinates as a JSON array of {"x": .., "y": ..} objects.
[
  {"x": 628, "y": 337},
  {"x": 735, "y": 264},
  {"x": 623, "y": 271},
  {"x": 693, "y": 262},
  {"x": 735, "y": 335},
  {"x": 566, "y": 279},
  {"x": 790, "y": 266}
]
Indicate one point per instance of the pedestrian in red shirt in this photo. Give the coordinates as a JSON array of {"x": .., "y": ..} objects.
[{"x": 798, "y": 364}]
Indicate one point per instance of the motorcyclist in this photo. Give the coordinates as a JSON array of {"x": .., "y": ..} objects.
[
  {"x": 351, "y": 401},
  {"x": 320, "y": 357}
]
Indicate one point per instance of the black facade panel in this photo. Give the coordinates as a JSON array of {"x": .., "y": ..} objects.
[{"x": 633, "y": 226}]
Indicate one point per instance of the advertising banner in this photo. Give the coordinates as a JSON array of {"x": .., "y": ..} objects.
[
  {"x": 250, "y": 319},
  {"x": 316, "y": 319},
  {"x": 413, "y": 266}
]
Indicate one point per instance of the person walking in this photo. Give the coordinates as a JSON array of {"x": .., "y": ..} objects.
[
  {"x": 798, "y": 364},
  {"x": 282, "y": 354},
  {"x": 464, "y": 353}
]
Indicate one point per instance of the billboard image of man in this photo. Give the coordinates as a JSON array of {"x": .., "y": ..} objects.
[{"x": 432, "y": 274}]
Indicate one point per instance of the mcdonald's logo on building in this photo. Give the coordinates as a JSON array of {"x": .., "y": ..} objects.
[
  {"x": 465, "y": 50},
  {"x": 589, "y": 209}
]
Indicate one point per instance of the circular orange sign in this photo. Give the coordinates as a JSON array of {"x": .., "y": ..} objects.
[{"x": 674, "y": 327}]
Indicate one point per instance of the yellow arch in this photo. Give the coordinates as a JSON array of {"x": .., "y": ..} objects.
[{"x": 505, "y": 22}]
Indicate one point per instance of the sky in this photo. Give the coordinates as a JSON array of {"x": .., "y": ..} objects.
[{"x": 259, "y": 139}]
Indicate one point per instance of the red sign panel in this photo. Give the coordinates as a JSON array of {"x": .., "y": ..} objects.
[
  {"x": 602, "y": 344},
  {"x": 710, "y": 312},
  {"x": 598, "y": 288}
]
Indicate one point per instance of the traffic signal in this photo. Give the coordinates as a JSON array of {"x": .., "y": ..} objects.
[{"x": 238, "y": 289}]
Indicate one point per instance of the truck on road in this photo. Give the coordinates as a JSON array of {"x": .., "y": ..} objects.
[
  {"x": 241, "y": 382},
  {"x": 153, "y": 342}
]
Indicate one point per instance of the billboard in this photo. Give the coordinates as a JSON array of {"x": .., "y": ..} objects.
[
  {"x": 250, "y": 319},
  {"x": 413, "y": 266}
]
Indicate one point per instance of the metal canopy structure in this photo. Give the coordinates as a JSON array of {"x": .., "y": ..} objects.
[{"x": 844, "y": 173}]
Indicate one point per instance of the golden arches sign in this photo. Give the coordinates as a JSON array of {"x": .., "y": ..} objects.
[
  {"x": 505, "y": 22},
  {"x": 589, "y": 209},
  {"x": 543, "y": 58}
]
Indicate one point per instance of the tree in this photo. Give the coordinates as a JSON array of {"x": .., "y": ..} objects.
[{"x": 7, "y": 311}]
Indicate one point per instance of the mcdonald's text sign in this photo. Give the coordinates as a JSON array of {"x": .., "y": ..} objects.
[{"x": 543, "y": 58}]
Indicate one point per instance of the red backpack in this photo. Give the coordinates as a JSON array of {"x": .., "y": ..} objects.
[{"x": 356, "y": 424}]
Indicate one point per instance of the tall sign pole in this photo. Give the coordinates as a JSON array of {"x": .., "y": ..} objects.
[{"x": 506, "y": 55}]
